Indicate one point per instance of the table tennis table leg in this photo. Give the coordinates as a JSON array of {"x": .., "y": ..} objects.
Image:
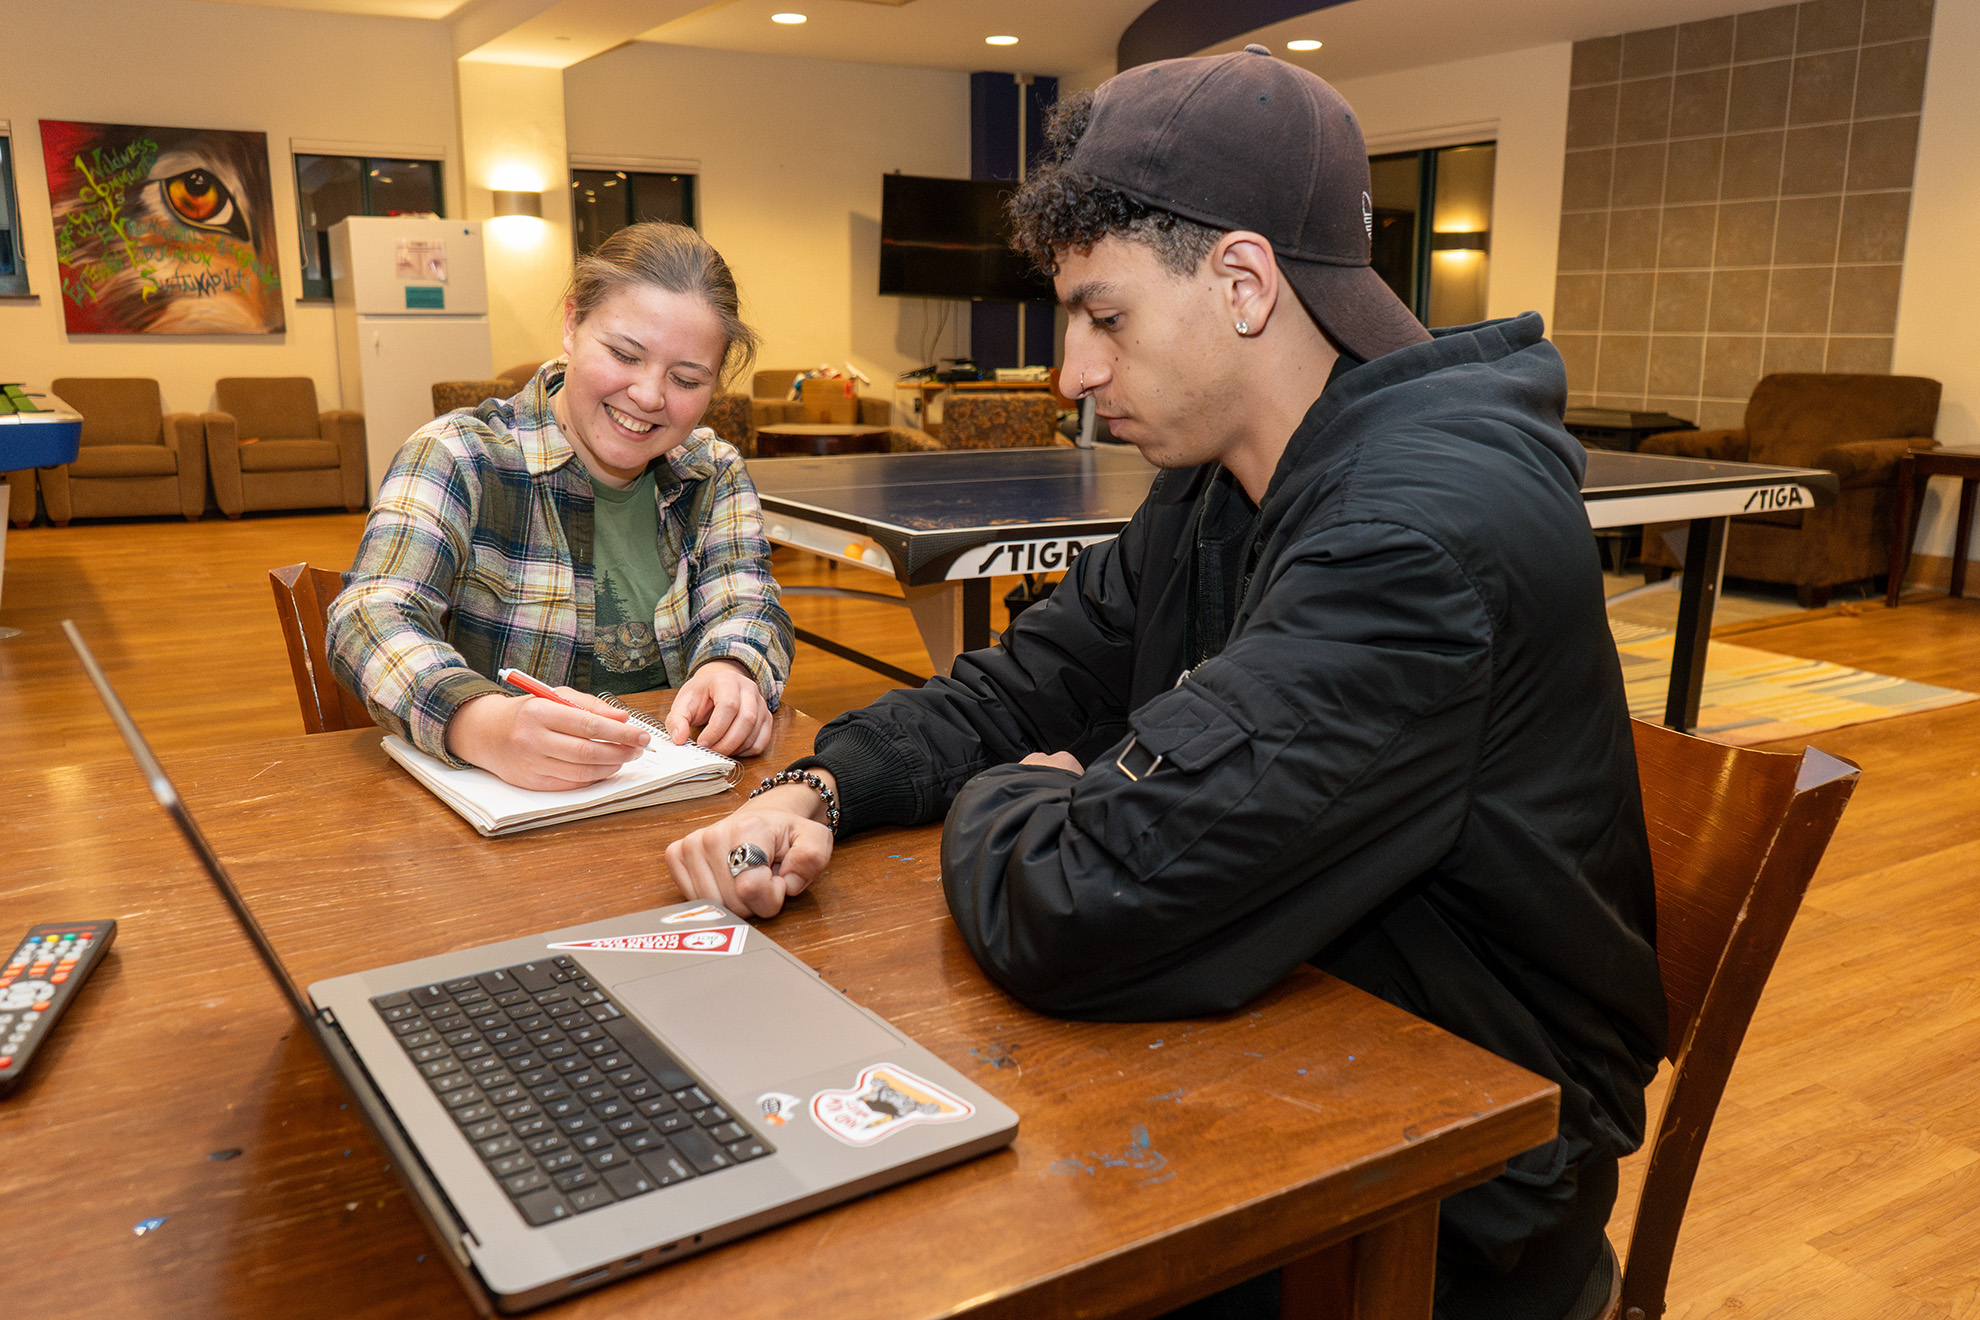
[
  {"x": 953, "y": 617},
  {"x": 1704, "y": 563}
]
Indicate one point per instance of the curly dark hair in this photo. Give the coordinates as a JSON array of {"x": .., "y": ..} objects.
[{"x": 1057, "y": 209}]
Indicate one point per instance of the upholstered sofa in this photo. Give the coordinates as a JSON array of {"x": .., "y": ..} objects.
[
  {"x": 135, "y": 459},
  {"x": 1857, "y": 426},
  {"x": 770, "y": 401},
  {"x": 987, "y": 419},
  {"x": 269, "y": 448},
  {"x": 451, "y": 394}
]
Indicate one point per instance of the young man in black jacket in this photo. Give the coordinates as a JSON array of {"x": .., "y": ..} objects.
[{"x": 1343, "y": 691}]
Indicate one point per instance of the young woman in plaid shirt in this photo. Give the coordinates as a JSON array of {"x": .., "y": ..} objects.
[{"x": 583, "y": 531}]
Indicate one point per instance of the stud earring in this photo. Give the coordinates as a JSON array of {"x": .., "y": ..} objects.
[{"x": 1244, "y": 327}]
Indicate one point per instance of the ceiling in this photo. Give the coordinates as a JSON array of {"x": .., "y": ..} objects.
[
  {"x": 1059, "y": 38},
  {"x": 1062, "y": 38}
]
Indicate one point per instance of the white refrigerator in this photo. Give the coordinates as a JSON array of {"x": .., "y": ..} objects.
[{"x": 412, "y": 308}]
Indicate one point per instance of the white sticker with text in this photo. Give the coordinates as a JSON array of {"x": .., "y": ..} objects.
[{"x": 717, "y": 939}]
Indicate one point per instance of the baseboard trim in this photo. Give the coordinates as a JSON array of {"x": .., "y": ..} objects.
[{"x": 1934, "y": 572}]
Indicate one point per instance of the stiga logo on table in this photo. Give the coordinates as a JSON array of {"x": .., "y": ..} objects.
[{"x": 1046, "y": 556}]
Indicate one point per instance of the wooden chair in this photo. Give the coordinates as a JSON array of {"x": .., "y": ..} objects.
[
  {"x": 1735, "y": 835},
  {"x": 302, "y": 602}
]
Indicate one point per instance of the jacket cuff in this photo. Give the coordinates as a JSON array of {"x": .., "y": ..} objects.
[
  {"x": 434, "y": 707},
  {"x": 874, "y": 783}
]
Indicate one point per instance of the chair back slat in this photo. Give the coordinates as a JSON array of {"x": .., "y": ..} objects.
[
  {"x": 1735, "y": 836},
  {"x": 302, "y": 604}
]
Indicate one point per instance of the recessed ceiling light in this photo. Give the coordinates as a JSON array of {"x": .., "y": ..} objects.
[
  {"x": 1000, "y": 41},
  {"x": 787, "y": 18},
  {"x": 1304, "y": 43}
]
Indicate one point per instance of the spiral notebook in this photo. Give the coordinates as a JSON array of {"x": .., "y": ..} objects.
[{"x": 666, "y": 772}]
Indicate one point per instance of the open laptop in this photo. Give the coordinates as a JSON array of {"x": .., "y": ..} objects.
[{"x": 572, "y": 1107}]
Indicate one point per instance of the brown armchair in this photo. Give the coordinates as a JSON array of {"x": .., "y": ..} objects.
[
  {"x": 731, "y": 417},
  {"x": 20, "y": 498},
  {"x": 990, "y": 420},
  {"x": 1857, "y": 426},
  {"x": 518, "y": 376},
  {"x": 271, "y": 449},
  {"x": 135, "y": 459},
  {"x": 449, "y": 395}
]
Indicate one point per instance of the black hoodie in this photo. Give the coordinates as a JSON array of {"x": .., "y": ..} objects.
[{"x": 1406, "y": 757}]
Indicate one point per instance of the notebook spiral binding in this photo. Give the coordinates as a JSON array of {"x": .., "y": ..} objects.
[{"x": 655, "y": 728}]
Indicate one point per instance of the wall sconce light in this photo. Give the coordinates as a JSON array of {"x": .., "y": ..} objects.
[
  {"x": 1475, "y": 241},
  {"x": 516, "y": 202}
]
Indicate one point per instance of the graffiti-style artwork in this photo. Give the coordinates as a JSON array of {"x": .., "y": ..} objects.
[{"x": 163, "y": 231}]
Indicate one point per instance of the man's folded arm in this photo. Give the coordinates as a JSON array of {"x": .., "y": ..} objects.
[
  {"x": 1305, "y": 776},
  {"x": 1060, "y": 675}
]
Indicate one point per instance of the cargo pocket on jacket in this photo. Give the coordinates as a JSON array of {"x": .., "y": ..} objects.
[
  {"x": 1189, "y": 729},
  {"x": 1171, "y": 801}
]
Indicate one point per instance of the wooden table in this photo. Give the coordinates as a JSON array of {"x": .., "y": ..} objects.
[
  {"x": 1913, "y": 471},
  {"x": 1156, "y": 1162},
  {"x": 817, "y": 439}
]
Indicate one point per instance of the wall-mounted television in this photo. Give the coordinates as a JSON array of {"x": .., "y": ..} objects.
[{"x": 948, "y": 238}]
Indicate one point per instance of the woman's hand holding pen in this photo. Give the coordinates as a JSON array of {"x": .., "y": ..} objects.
[
  {"x": 567, "y": 741},
  {"x": 787, "y": 824}
]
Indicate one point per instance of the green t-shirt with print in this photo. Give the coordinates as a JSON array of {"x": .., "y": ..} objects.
[{"x": 628, "y": 582}]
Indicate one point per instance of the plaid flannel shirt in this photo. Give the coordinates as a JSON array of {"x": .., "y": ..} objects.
[{"x": 477, "y": 556}]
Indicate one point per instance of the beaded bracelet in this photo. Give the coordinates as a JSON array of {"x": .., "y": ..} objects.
[{"x": 805, "y": 777}]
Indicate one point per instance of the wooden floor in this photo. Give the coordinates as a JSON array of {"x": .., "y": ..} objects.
[{"x": 1843, "y": 1177}]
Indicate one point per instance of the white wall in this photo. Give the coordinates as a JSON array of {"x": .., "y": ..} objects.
[
  {"x": 1941, "y": 285},
  {"x": 1518, "y": 98},
  {"x": 512, "y": 137},
  {"x": 289, "y": 74},
  {"x": 791, "y": 153}
]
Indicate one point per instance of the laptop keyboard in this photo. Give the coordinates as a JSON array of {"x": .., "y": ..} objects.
[{"x": 571, "y": 1105}]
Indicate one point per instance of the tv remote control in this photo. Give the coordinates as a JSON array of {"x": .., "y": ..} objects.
[{"x": 38, "y": 983}]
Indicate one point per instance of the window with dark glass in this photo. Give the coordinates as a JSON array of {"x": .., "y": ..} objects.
[
  {"x": 13, "y": 267},
  {"x": 329, "y": 188},
  {"x": 1437, "y": 268},
  {"x": 605, "y": 201}
]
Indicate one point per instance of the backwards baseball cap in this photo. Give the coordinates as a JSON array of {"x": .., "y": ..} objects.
[{"x": 1246, "y": 141}]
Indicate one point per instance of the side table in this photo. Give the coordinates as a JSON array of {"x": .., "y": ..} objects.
[
  {"x": 1913, "y": 470},
  {"x": 1618, "y": 428},
  {"x": 818, "y": 439}
]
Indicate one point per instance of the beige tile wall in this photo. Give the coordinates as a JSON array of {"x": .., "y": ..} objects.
[{"x": 1735, "y": 201}]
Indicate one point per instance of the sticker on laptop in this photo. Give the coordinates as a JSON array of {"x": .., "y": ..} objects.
[
  {"x": 699, "y": 912},
  {"x": 716, "y": 939},
  {"x": 885, "y": 1099},
  {"x": 778, "y": 1108}
]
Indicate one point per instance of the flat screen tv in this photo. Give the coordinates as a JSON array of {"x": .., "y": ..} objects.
[{"x": 948, "y": 238}]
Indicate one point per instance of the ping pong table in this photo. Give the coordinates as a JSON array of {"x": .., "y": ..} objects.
[{"x": 943, "y": 524}]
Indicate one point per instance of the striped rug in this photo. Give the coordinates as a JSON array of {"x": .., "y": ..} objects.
[{"x": 1755, "y": 696}]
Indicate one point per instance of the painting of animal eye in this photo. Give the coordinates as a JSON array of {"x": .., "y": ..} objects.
[{"x": 200, "y": 199}]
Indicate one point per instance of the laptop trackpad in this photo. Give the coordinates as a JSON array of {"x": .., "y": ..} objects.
[{"x": 753, "y": 1023}]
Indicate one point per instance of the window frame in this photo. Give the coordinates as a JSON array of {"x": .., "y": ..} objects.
[
  {"x": 1426, "y": 208},
  {"x": 366, "y": 159},
  {"x": 689, "y": 170},
  {"x": 16, "y": 284}
]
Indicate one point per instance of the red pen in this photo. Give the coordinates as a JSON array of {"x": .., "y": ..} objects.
[{"x": 536, "y": 687}]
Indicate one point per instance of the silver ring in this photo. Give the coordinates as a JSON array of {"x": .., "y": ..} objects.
[{"x": 745, "y": 855}]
